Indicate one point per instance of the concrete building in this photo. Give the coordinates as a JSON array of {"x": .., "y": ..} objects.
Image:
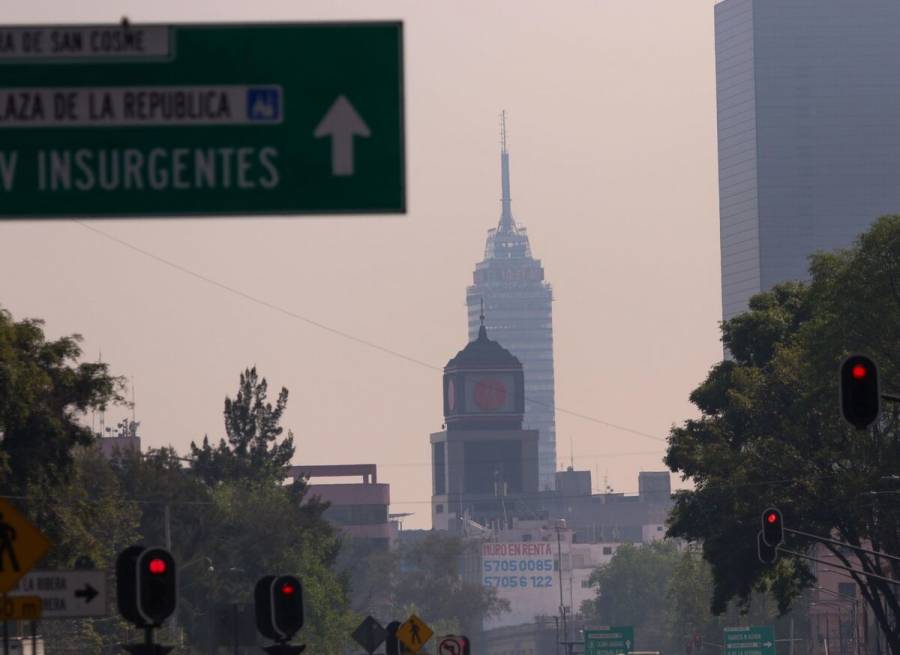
[
  {"x": 484, "y": 465},
  {"x": 808, "y": 129},
  {"x": 360, "y": 509},
  {"x": 509, "y": 288}
]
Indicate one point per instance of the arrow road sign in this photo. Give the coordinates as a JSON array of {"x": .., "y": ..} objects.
[
  {"x": 370, "y": 634},
  {"x": 609, "y": 640},
  {"x": 451, "y": 646},
  {"x": 21, "y": 546},
  {"x": 66, "y": 594},
  {"x": 202, "y": 119},
  {"x": 753, "y": 640},
  {"x": 342, "y": 123}
]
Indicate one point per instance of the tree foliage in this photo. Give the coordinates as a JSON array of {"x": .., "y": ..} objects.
[
  {"x": 631, "y": 590},
  {"x": 426, "y": 576},
  {"x": 770, "y": 433},
  {"x": 250, "y": 449},
  {"x": 44, "y": 391}
]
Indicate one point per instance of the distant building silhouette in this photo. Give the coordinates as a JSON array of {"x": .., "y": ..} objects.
[{"x": 517, "y": 303}]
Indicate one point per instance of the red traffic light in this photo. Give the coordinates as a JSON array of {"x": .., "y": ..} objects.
[
  {"x": 860, "y": 395},
  {"x": 157, "y": 566},
  {"x": 287, "y": 589},
  {"x": 771, "y": 517}
]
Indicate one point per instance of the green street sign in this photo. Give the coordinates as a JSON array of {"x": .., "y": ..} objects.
[
  {"x": 754, "y": 640},
  {"x": 158, "y": 120},
  {"x": 609, "y": 640}
]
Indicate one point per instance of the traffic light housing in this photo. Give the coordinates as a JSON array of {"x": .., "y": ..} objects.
[
  {"x": 767, "y": 554},
  {"x": 279, "y": 607},
  {"x": 860, "y": 391},
  {"x": 466, "y": 645},
  {"x": 772, "y": 528},
  {"x": 126, "y": 584},
  {"x": 157, "y": 590},
  {"x": 146, "y": 587}
]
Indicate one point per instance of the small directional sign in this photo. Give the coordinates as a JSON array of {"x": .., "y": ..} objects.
[
  {"x": 370, "y": 635},
  {"x": 21, "y": 546},
  {"x": 203, "y": 119},
  {"x": 609, "y": 640},
  {"x": 452, "y": 645},
  {"x": 22, "y": 608},
  {"x": 752, "y": 640},
  {"x": 414, "y": 633},
  {"x": 66, "y": 594}
]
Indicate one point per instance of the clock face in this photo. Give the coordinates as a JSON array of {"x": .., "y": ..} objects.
[
  {"x": 451, "y": 395},
  {"x": 490, "y": 394}
]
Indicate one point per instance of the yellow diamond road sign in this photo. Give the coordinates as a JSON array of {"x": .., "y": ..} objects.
[
  {"x": 414, "y": 633},
  {"x": 21, "y": 546}
]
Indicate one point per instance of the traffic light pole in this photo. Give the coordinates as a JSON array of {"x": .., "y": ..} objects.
[
  {"x": 842, "y": 543},
  {"x": 838, "y": 566}
]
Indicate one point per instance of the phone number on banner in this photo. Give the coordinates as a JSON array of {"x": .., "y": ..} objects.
[
  {"x": 512, "y": 565},
  {"x": 518, "y": 581}
]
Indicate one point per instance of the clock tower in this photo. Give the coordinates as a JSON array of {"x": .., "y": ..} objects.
[{"x": 483, "y": 463}]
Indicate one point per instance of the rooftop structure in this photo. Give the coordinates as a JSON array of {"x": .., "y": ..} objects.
[{"x": 359, "y": 508}]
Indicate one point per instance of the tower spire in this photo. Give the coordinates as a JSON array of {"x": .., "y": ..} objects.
[{"x": 507, "y": 224}]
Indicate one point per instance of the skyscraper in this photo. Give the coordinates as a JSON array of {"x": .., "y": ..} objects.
[
  {"x": 809, "y": 132},
  {"x": 519, "y": 316}
]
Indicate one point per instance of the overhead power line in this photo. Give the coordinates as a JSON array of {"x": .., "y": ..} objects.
[{"x": 332, "y": 330}]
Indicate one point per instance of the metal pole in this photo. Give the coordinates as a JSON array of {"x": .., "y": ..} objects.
[
  {"x": 791, "y": 634},
  {"x": 5, "y": 637},
  {"x": 557, "y": 634},
  {"x": 34, "y": 638},
  {"x": 234, "y": 617},
  {"x": 562, "y": 606}
]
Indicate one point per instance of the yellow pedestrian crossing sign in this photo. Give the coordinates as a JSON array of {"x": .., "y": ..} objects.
[
  {"x": 21, "y": 546},
  {"x": 414, "y": 633}
]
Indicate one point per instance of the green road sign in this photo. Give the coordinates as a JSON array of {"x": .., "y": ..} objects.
[
  {"x": 609, "y": 640},
  {"x": 754, "y": 640},
  {"x": 143, "y": 120}
]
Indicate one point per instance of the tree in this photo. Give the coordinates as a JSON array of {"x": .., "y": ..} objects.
[
  {"x": 769, "y": 432},
  {"x": 426, "y": 577},
  {"x": 252, "y": 427},
  {"x": 631, "y": 590},
  {"x": 44, "y": 392}
]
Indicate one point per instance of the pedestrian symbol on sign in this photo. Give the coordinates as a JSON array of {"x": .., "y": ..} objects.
[{"x": 7, "y": 537}]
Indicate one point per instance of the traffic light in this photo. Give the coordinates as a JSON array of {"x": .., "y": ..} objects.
[
  {"x": 466, "y": 645},
  {"x": 146, "y": 586},
  {"x": 157, "y": 592},
  {"x": 391, "y": 643},
  {"x": 767, "y": 554},
  {"x": 772, "y": 528},
  {"x": 279, "y": 607},
  {"x": 860, "y": 391},
  {"x": 126, "y": 584}
]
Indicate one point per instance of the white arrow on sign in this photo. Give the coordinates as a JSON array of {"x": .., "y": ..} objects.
[
  {"x": 66, "y": 594},
  {"x": 342, "y": 123}
]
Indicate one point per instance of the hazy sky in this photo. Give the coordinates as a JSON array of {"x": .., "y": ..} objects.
[{"x": 613, "y": 161}]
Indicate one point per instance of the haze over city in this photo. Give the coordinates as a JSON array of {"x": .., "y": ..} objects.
[{"x": 612, "y": 144}]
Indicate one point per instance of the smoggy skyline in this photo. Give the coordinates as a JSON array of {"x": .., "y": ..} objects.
[{"x": 611, "y": 111}]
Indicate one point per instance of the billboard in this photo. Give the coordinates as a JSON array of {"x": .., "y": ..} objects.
[{"x": 525, "y": 574}]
